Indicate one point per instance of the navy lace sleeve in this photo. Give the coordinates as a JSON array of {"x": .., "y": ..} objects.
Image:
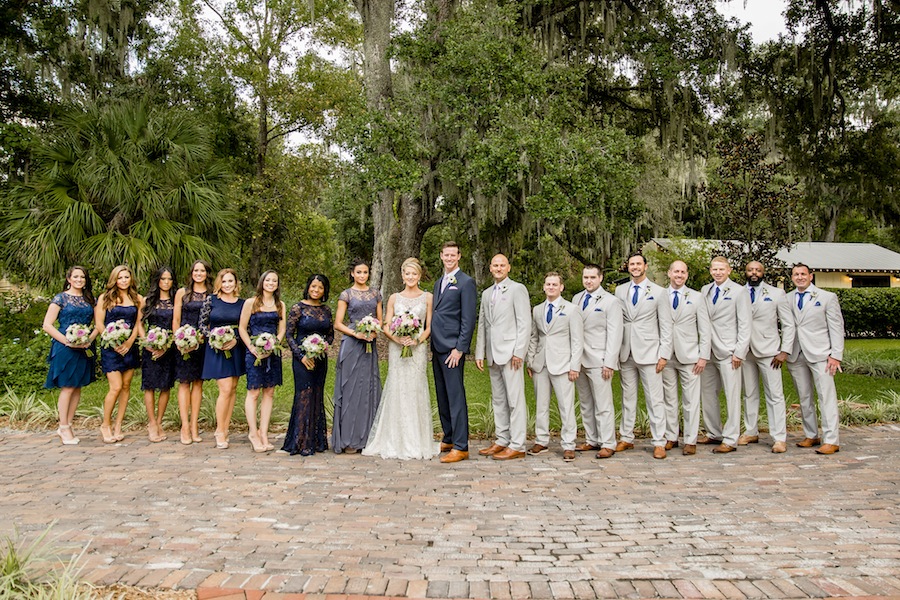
[
  {"x": 204, "y": 316},
  {"x": 291, "y": 332}
]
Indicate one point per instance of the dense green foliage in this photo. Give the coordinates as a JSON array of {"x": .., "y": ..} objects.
[{"x": 870, "y": 312}]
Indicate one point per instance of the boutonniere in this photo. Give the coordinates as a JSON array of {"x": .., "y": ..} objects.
[
  {"x": 725, "y": 291},
  {"x": 813, "y": 296},
  {"x": 765, "y": 292},
  {"x": 559, "y": 311},
  {"x": 503, "y": 288}
]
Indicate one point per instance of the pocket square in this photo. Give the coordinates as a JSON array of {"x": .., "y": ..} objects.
[
  {"x": 818, "y": 304},
  {"x": 452, "y": 287},
  {"x": 650, "y": 298},
  {"x": 598, "y": 310},
  {"x": 767, "y": 299},
  {"x": 726, "y": 298}
]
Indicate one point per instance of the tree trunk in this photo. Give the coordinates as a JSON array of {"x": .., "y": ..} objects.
[{"x": 831, "y": 230}]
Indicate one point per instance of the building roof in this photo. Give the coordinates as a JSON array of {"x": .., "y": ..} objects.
[{"x": 829, "y": 256}]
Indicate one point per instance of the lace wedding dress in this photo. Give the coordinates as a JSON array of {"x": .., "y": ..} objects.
[{"x": 403, "y": 426}]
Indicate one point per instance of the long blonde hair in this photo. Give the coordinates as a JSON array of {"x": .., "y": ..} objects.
[{"x": 111, "y": 296}]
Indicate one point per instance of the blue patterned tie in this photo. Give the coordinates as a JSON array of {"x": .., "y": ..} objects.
[
  {"x": 637, "y": 289},
  {"x": 675, "y": 300},
  {"x": 716, "y": 295},
  {"x": 800, "y": 302},
  {"x": 549, "y": 313},
  {"x": 587, "y": 298},
  {"x": 752, "y": 294}
]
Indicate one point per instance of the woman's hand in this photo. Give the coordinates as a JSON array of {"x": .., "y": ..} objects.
[
  {"x": 230, "y": 345},
  {"x": 408, "y": 341},
  {"x": 157, "y": 354},
  {"x": 309, "y": 363},
  {"x": 123, "y": 349}
]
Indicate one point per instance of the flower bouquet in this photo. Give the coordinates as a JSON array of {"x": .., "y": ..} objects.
[
  {"x": 315, "y": 346},
  {"x": 219, "y": 336},
  {"x": 157, "y": 338},
  {"x": 79, "y": 335},
  {"x": 115, "y": 334},
  {"x": 406, "y": 325},
  {"x": 266, "y": 344},
  {"x": 367, "y": 325},
  {"x": 187, "y": 339}
]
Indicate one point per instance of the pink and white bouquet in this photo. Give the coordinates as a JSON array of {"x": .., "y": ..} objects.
[
  {"x": 406, "y": 324},
  {"x": 79, "y": 334},
  {"x": 115, "y": 334},
  {"x": 368, "y": 325},
  {"x": 266, "y": 344},
  {"x": 315, "y": 346},
  {"x": 219, "y": 336},
  {"x": 187, "y": 339},
  {"x": 157, "y": 338}
]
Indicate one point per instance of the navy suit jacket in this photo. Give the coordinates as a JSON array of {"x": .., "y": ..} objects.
[{"x": 453, "y": 315}]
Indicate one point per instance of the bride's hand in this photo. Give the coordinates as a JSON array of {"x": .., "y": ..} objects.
[{"x": 408, "y": 341}]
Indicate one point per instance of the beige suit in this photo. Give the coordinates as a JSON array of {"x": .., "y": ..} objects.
[
  {"x": 691, "y": 333},
  {"x": 554, "y": 350},
  {"x": 768, "y": 308},
  {"x": 603, "y": 327},
  {"x": 504, "y": 331},
  {"x": 819, "y": 335},
  {"x": 647, "y": 337},
  {"x": 730, "y": 320}
]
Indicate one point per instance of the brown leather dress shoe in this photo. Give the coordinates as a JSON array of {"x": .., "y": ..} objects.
[
  {"x": 605, "y": 452},
  {"x": 585, "y": 447},
  {"x": 670, "y": 444},
  {"x": 828, "y": 449},
  {"x": 723, "y": 448},
  {"x": 509, "y": 454},
  {"x": 446, "y": 447},
  {"x": 537, "y": 449},
  {"x": 708, "y": 440},
  {"x": 748, "y": 439},
  {"x": 809, "y": 442},
  {"x": 492, "y": 450},
  {"x": 659, "y": 452},
  {"x": 689, "y": 450},
  {"x": 622, "y": 446},
  {"x": 779, "y": 447},
  {"x": 455, "y": 456},
  {"x": 568, "y": 455}
]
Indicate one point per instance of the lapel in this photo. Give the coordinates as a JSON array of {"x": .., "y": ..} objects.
[
  {"x": 546, "y": 326},
  {"x": 437, "y": 292},
  {"x": 491, "y": 307},
  {"x": 632, "y": 309}
]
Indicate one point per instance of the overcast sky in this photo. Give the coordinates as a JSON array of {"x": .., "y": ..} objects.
[{"x": 766, "y": 17}]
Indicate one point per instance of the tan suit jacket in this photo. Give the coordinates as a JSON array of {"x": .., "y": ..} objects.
[
  {"x": 819, "y": 326},
  {"x": 768, "y": 310},
  {"x": 603, "y": 329},
  {"x": 647, "y": 336},
  {"x": 691, "y": 328},
  {"x": 504, "y": 327},
  {"x": 730, "y": 319},
  {"x": 558, "y": 346}
]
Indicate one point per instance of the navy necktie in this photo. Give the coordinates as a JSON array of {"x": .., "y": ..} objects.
[
  {"x": 716, "y": 296},
  {"x": 752, "y": 294},
  {"x": 587, "y": 298},
  {"x": 549, "y": 312},
  {"x": 637, "y": 289},
  {"x": 675, "y": 300},
  {"x": 800, "y": 302}
]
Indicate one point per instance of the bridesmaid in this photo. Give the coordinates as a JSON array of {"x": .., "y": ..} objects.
[
  {"x": 357, "y": 385},
  {"x": 263, "y": 313},
  {"x": 71, "y": 366},
  {"x": 158, "y": 366},
  {"x": 120, "y": 301},
  {"x": 188, "y": 371},
  {"x": 306, "y": 429},
  {"x": 223, "y": 308}
]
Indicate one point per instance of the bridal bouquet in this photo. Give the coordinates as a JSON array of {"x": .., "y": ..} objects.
[
  {"x": 368, "y": 324},
  {"x": 79, "y": 335},
  {"x": 187, "y": 339},
  {"x": 157, "y": 338},
  {"x": 406, "y": 325},
  {"x": 219, "y": 336},
  {"x": 115, "y": 334},
  {"x": 314, "y": 346},
  {"x": 266, "y": 344}
]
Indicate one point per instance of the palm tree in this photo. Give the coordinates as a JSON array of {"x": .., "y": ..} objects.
[{"x": 119, "y": 183}]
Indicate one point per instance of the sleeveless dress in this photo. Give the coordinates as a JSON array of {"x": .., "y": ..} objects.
[
  {"x": 218, "y": 313},
  {"x": 70, "y": 367},
  {"x": 111, "y": 360},
  {"x": 306, "y": 428},
  {"x": 190, "y": 370},
  {"x": 357, "y": 379},
  {"x": 159, "y": 374},
  {"x": 268, "y": 373},
  {"x": 403, "y": 425}
]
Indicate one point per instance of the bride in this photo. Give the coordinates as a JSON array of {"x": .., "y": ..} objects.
[{"x": 403, "y": 426}]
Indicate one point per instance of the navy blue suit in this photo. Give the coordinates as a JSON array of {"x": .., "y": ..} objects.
[{"x": 453, "y": 322}]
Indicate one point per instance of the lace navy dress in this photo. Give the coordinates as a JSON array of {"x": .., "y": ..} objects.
[
  {"x": 110, "y": 360},
  {"x": 218, "y": 313},
  {"x": 357, "y": 380},
  {"x": 159, "y": 374},
  {"x": 306, "y": 429},
  {"x": 268, "y": 373},
  {"x": 191, "y": 369},
  {"x": 71, "y": 367}
]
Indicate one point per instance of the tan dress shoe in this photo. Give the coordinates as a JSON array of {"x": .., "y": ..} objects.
[
  {"x": 779, "y": 448},
  {"x": 708, "y": 440},
  {"x": 446, "y": 447},
  {"x": 828, "y": 449},
  {"x": 605, "y": 453},
  {"x": 659, "y": 452},
  {"x": 568, "y": 455},
  {"x": 492, "y": 450},
  {"x": 748, "y": 439},
  {"x": 585, "y": 447},
  {"x": 509, "y": 454},
  {"x": 809, "y": 442},
  {"x": 455, "y": 456},
  {"x": 689, "y": 450},
  {"x": 537, "y": 449},
  {"x": 622, "y": 446},
  {"x": 723, "y": 448},
  {"x": 670, "y": 444}
]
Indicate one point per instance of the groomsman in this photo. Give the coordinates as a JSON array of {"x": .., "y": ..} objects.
[
  {"x": 646, "y": 347},
  {"x": 816, "y": 357},
  {"x": 729, "y": 314},
  {"x": 504, "y": 332},
  {"x": 768, "y": 351},
  {"x": 554, "y": 359},
  {"x": 603, "y": 324},
  {"x": 691, "y": 331}
]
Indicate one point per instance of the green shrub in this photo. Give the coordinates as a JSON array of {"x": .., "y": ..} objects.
[
  {"x": 23, "y": 361},
  {"x": 870, "y": 312},
  {"x": 20, "y": 315}
]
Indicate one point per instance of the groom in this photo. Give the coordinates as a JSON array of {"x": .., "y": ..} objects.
[{"x": 452, "y": 326}]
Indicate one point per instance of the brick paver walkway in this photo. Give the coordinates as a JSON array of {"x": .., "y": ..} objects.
[{"x": 750, "y": 524}]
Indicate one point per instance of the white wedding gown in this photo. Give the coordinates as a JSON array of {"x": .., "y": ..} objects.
[{"x": 403, "y": 427}]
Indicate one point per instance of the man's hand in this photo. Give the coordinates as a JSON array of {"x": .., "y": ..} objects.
[
  {"x": 517, "y": 363},
  {"x": 736, "y": 362},
  {"x": 479, "y": 364},
  {"x": 779, "y": 359},
  {"x": 660, "y": 365},
  {"x": 573, "y": 375},
  {"x": 607, "y": 373},
  {"x": 453, "y": 360},
  {"x": 699, "y": 366},
  {"x": 833, "y": 366}
]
